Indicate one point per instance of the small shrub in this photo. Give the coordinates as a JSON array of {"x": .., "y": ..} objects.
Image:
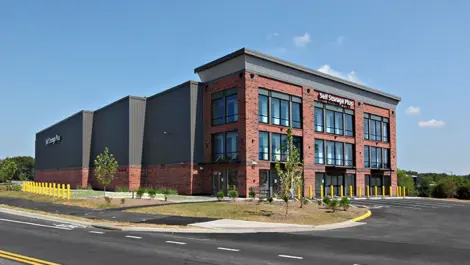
[
  {"x": 252, "y": 194},
  {"x": 108, "y": 199},
  {"x": 304, "y": 201},
  {"x": 123, "y": 201},
  {"x": 15, "y": 187},
  {"x": 140, "y": 193},
  {"x": 233, "y": 193},
  {"x": 345, "y": 203},
  {"x": 319, "y": 202},
  {"x": 326, "y": 200},
  {"x": 333, "y": 205},
  {"x": 122, "y": 189},
  {"x": 152, "y": 193},
  {"x": 89, "y": 187},
  {"x": 220, "y": 195},
  {"x": 270, "y": 199},
  {"x": 285, "y": 198}
]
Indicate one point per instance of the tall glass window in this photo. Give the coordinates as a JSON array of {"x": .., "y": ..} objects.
[
  {"x": 339, "y": 123},
  {"x": 218, "y": 111},
  {"x": 224, "y": 107},
  {"x": 319, "y": 155},
  {"x": 263, "y": 146},
  {"x": 386, "y": 158},
  {"x": 385, "y": 130},
  {"x": 330, "y": 121},
  {"x": 284, "y": 145},
  {"x": 373, "y": 157},
  {"x": 376, "y": 128},
  {"x": 296, "y": 115},
  {"x": 231, "y": 144},
  {"x": 284, "y": 113},
  {"x": 232, "y": 177},
  {"x": 276, "y": 146},
  {"x": 349, "y": 125},
  {"x": 275, "y": 111},
  {"x": 366, "y": 128},
  {"x": 297, "y": 142},
  {"x": 232, "y": 108},
  {"x": 378, "y": 131},
  {"x": 348, "y": 155},
  {"x": 218, "y": 147},
  {"x": 263, "y": 115},
  {"x": 318, "y": 119},
  {"x": 379, "y": 158},
  {"x": 330, "y": 153},
  {"x": 366, "y": 157},
  {"x": 372, "y": 130},
  {"x": 339, "y": 153}
]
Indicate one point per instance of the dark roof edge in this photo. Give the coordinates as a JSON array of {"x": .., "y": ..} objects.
[
  {"x": 120, "y": 100},
  {"x": 189, "y": 82},
  {"x": 66, "y": 119},
  {"x": 293, "y": 66}
]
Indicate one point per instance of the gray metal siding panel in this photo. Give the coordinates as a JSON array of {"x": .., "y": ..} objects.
[
  {"x": 65, "y": 154},
  {"x": 197, "y": 123},
  {"x": 136, "y": 130},
  {"x": 223, "y": 69},
  {"x": 111, "y": 129},
  {"x": 167, "y": 127},
  {"x": 87, "y": 131},
  {"x": 280, "y": 72}
]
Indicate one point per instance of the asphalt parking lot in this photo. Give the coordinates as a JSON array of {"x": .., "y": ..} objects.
[{"x": 415, "y": 221}]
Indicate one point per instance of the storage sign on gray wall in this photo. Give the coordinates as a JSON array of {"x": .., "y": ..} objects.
[{"x": 53, "y": 140}]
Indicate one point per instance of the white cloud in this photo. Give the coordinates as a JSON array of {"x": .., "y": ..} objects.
[
  {"x": 351, "y": 76},
  {"x": 339, "y": 40},
  {"x": 301, "y": 41},
  {"x": 413, "y": 110},
  {"x": 431, "y": 123},
  {"x": 272, "y": 35}
]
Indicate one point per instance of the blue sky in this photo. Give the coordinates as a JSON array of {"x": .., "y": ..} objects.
[{"x": 59, "y": 57}]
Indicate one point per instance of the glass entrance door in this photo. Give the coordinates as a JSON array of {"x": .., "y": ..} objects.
[
  {"x": 269, "y": 183},
  {"x": 218, "y": 182},
  {"x": 333, "y": 180},
  {"x": 374, "y": 181}
]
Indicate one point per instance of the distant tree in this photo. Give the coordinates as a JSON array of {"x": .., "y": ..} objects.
[
  {"x": 406, "y": 181},
  {"x": 425, "y": 185},
  {"x": 7, "y": 170},
  {"x": 289, "y": 171},
  {"x": 25, "y": 165},
  {"x": 105, "y": 168}
]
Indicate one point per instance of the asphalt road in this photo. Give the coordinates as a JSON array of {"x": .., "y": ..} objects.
[{"x": 399, "y": 232}]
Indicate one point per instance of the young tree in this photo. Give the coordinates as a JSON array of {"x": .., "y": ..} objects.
[
  {"x": 105, "y": 168},
  {"x": 290, "y": 170},
  {"x": 8, "y": 170}
]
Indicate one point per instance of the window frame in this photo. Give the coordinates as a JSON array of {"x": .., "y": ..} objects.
[
  {"x": 341, "y": 162},
  {"x": 224, "y": 153},
  {"x": 382, "y": 163},
  {"x": 284, "y": 100},
  {"x": 377, "y": 134},
  {"x": 261, "y": 155},
  {"x": 336, "y": 111},
  {"x": 223, "y": 96}
]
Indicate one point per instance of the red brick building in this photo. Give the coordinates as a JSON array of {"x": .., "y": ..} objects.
[{"x": 202, "y": 137}]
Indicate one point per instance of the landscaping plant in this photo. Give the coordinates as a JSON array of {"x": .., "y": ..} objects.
[
  {"x": 319, "y": 202},
  {"x": 289, "y": 171},
  {"x": 123, "y": 201},
  {"x": 252, "y": 194},
  {"x": 140, "y": 193},
  {"x": 167, "y": 192},
  {"x": 108, "y": 199},
  {"x": 333, "y": 205},
  {"x": 326, "y": 201},
  {"x": 105, "y": 168},
  {"x": 122, "y": 189},
  {"x": 345, "y": 203},
  {"x": 8, "y": 169},
  {"x": 152, "y": 193},
  {"x": 233, "y": 193},
  {"x": 220, "y": 195},
  {"x": 270, "y": 199}
]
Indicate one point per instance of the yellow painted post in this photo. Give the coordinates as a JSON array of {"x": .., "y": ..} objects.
[
  {"x": 331, "y": 191},
  {"x": 298, "y": 192},
  {"x": 49, "y": 186},
  {"x": 398, "y": 191},
  {"x": 359, "y": 191},
  {"x": 310, "y": 192},
  {"x": 53, "y": 190},
  {"x": 383, "y": 190},
  {"x": 33, "y": 187},
  {"x": 341, "y": 191},
  {"x": 350, "y": 191},
  {"x": 375, "y": 191},
  {"x": 321, "y": 191},
  {"x": 64, "y": 195},
  {"x": 40, "y": 188},
  {"x": 404, "y": 191},
  {"x": 68, "y": 191},
  {"x": 391, "y": 191},
  {"x": 368, "y": 191}
]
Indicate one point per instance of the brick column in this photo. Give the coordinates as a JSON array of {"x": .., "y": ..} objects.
[
  {"x": 308, "y": 140},
  {"x": 250, "y": 145},
  {"x": 85, "y": 176},
  {"x": 359, "y": 137},
  {"x": 393, "y": 149}
]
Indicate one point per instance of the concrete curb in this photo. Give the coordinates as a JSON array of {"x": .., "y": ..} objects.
[
  {"x": 362, "y": 217},
  {"x": 45, "y": 217}
]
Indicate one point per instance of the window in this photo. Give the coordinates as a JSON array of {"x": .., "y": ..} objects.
[
  {"x": 296, "y": 115},
  {"x": 284, "y": 113},
  {"x": 224, "y": 107},
  {"x": 386, "y": 158},
  {"x": 263, "y": 146},
  {"x": 330, "y": 153},
  {"x": 276, "y": 111},
  {"x": 334, "y": 119},
  {"x": 366, "y": 157},
  {"x": 225, "y": 146},
  {"x": 339, "y": 153},
  {"x": 232, "y": 177},
  {"x": 276, "y": 147},
  {"x": 348, "y": 155},
  {"x": 349, "y": 125},
  {"x": 319, "y": 155},
  {"x": 379, "y": 158},
  {"x": 263, "y": 115},
  {"x": 297, "y": 142},
  {"x": 318, "y": 119},
  {"x": 376, "y": 128},
  {"x": 373, "y": 157}
]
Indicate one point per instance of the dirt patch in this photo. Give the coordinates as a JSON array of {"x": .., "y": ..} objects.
[{"x": 116, "y": 202}]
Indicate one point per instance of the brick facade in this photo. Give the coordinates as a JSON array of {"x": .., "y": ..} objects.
[{"x": 74, "y": 176}]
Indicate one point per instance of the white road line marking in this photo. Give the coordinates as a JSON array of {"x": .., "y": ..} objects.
[
  {"x": 134, "y": 237},
  {"x": 175, "y": 242},
  {"x": 229, "y": 249},
  {"x": 33, "y": 224},
  {"x": 290, "y": 257},
  {"x": 95, "y": 232}
]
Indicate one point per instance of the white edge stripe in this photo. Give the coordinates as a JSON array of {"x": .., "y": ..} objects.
[
  {"x": 290, "y": 257},
  {"x": 136, "y": 237},
  {"x": 175, "y": 242},
  {"x": 229, "y": 249},
  {"x": 40, "y": 225},
  {"x": 96, "y": 232}
]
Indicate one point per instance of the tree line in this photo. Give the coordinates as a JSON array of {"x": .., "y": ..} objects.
[{"x": 16, "y": 168}]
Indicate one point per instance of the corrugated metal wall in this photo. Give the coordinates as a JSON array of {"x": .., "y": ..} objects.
[
  {"x": 136, "y": 130},
  {"x": 197, "y": 122},
  {"x": 86, "y": 135}
]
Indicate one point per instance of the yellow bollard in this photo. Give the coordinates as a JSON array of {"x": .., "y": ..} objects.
[
  {"x": 310, "y": 192},
  {"x": 43, "y": 188},
  {"x": 321, "y": 191},
  {"x": 350, "y": 191},
  {"x": 64, "y": 195},
  {"x": 383, "y": 191},
  {"x": 398, "y": 191},
  {"x": 298, "y": 192},
  {"x": 359, "y": 191},
  {"x": 40, "y": 188},
  {"x": 368, "y": 191},
  {"x": 375, "y": 191},
  {"x": 68, "y": 191},
  {"x": 391, "y": 191},
  {"x": 53, "y": 190},
  {"x": 341, "y": 191},
  {"x": 331, "y": 191},
  {"x": 404, "y": 191}
]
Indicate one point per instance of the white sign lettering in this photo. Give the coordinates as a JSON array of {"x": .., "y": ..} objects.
[
  {"x": 53, "y": 140},
  {"x": 330, "y": 98}
]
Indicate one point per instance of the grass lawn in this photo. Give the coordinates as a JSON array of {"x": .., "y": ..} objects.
[{"x": 311, "y": 214}]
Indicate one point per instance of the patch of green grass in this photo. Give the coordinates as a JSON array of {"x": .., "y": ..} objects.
[{"x": 264, "y": 212}]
